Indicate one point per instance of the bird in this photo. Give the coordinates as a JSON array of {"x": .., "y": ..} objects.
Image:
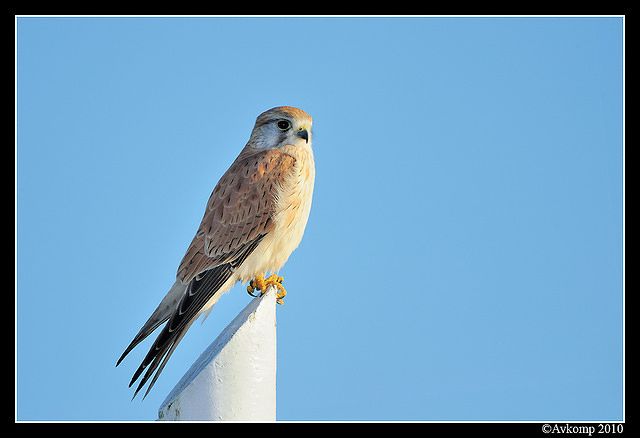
[{"x": 253, "y": 221}]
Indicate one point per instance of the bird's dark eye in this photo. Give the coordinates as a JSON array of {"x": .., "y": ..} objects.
[{"x": 283, "y": 125}]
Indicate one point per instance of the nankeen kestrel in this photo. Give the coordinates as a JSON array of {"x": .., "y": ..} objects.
[{"x": 254, "y": 220}]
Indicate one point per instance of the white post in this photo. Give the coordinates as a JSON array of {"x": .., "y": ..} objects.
[{"x": 235, "y": 378}]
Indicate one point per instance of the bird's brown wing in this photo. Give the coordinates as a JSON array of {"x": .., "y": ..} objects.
[{"x": 238, "y": 216}]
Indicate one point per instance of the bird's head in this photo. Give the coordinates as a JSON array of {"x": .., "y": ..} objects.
[{"x": 283, "y": 125}]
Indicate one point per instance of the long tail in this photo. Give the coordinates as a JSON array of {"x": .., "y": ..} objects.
[
  {"x": 162, "y": 313},
  {"x": 199, "y": 291},
  {"x": 191, "y": 300}
]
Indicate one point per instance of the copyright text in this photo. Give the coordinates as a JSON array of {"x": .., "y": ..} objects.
[{"x": 583, "y": 429}]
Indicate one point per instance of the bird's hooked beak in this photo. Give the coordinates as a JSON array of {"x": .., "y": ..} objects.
[{"x": 302, "y": 133}]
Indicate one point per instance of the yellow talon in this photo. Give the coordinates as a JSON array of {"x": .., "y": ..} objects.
[{"x": 260, "y": 283}]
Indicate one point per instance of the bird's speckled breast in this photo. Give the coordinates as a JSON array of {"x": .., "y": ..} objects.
[{"x": 293, "y": 205}]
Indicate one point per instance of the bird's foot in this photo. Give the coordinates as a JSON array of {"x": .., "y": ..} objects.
[{"x": 260, "y": 283}]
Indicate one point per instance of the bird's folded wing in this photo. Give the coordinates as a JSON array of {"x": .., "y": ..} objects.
[
  {"x": 238, "y": 216},
  {"x": 240, "y": 209}
]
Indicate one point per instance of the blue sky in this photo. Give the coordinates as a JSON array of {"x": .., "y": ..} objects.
[{"x": 464, "y": 255}]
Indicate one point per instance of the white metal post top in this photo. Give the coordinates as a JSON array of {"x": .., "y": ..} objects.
[{"x": 234, "y": 379}]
